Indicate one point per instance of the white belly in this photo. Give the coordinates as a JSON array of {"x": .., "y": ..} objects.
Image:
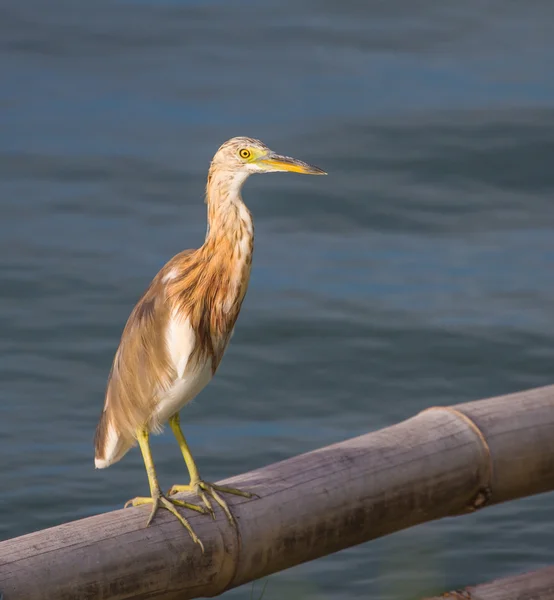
[
  {"x": 188, "y": 382},
  {"x": 182, "y": 391}
]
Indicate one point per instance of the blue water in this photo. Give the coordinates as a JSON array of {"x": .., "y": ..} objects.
[{"x": 419, "y": 272}]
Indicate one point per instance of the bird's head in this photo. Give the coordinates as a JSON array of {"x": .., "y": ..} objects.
[{"x": 244, "y": 156}]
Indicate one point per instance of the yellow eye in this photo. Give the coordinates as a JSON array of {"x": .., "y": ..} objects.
[{"x": 245, "y": 153}]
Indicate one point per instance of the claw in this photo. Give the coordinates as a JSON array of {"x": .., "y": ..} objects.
[
  {"x": 207, "y": 503},
  {"x": 228, "y": 490},
  {"x": 224, "y": 507},
  {"x": 160, "y": 501},
  {"x": 204, "y": 489},
  {"x": 155, "y": 506}
]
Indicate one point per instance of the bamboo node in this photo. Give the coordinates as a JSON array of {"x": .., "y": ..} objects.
[{"x": 484, "y": 494}]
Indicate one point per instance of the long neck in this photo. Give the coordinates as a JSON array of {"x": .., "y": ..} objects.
[
  {"x": 217, "y": 274},
  {"x": 229, "y": 241},
  {"x": 229, "y": 220}
]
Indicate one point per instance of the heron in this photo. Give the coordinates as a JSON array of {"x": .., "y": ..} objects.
[{"x": 177, "y": 333}]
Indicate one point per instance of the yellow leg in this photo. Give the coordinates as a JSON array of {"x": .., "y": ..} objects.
[
  {"x": 157, "y": 499},
  {"x": 196, "y": 485}
]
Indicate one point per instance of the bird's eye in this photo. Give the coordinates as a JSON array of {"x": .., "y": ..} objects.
[{"x": 244, "y": 153}]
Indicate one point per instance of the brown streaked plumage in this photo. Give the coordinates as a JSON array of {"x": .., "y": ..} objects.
[{"x": 177, "y": 333}]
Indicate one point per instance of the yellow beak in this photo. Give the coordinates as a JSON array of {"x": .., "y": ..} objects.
[{"x": 276, "y": 162}]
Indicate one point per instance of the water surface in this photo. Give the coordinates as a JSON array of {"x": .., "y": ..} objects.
[{"x": 419, "y": 272}]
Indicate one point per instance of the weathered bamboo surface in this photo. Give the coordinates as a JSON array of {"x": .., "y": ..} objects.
[
  {"x": 442, "y": 462},
  {"x": 535, "y": 585}
]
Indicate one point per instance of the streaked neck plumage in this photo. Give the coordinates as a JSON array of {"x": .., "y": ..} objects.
[
  {"x": 218, "y": 272},
  {"x": 228, "y": 216}
]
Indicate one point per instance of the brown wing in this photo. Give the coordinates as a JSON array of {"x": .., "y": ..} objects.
[{"x": 140, "y": 368}]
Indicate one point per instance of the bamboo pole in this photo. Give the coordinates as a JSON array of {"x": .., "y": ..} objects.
[
  {"x": 535, "y": 585},
  {"x": 442, "y": 462}
]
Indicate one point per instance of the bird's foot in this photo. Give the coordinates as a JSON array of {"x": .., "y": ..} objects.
[
  {"x": 203, "y": 489},
  {"x": 158, "y": 500}
]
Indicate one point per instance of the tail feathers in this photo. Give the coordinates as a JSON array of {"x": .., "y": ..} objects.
[{"x": 110, "y": 445}]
